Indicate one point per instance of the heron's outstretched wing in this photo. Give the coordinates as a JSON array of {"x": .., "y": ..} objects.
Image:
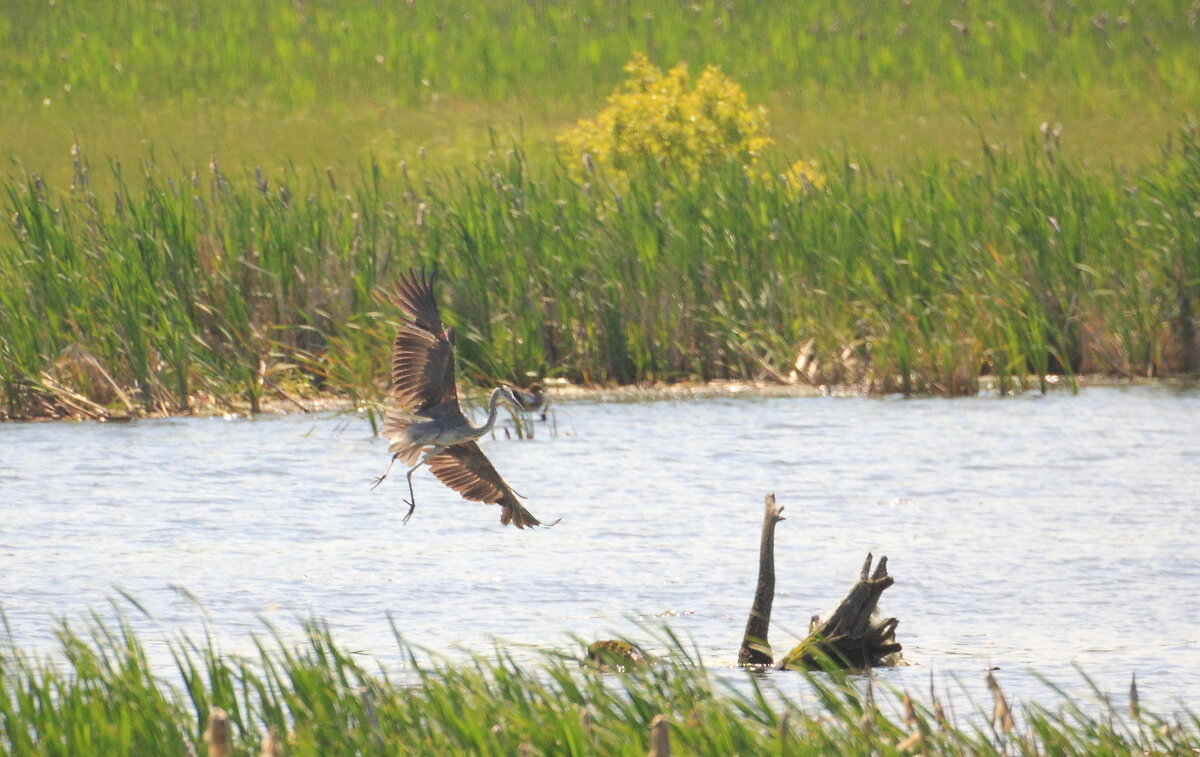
[
  {"x": 423, "y": 351},
  {"x": 414, "y": 295},
  {"x": 466, "y": 470}
]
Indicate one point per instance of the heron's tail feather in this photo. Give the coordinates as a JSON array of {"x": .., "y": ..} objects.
[
  {"x": 394, "y": 427},
  {"x": 395, "y": 423},
  {"x": 514, "y": 513}
]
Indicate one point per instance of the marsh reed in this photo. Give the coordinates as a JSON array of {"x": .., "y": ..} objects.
[
  {"x": 98, "y": 694},
  {"x": 184, "y": 283}
]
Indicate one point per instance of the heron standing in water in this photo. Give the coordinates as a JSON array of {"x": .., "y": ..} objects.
[
  {"x": 533, "y": 398},
  {"x": 430, "y": 427}
]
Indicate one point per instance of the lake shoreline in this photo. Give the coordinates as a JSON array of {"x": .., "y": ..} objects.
[{"x": 279, "y": 404}]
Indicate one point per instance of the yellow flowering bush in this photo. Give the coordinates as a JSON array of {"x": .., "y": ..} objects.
[
  {"x": 664, "y": 119},
  {"x": 802, "y": 177}
]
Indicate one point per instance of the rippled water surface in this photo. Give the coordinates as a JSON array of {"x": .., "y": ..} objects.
[{"x": 1032, "y": 534}]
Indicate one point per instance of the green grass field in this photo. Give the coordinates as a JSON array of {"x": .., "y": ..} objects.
[
  {"x": 334, "y": 82},
  {"x": 250, "y": 176},
  {"x": 99, "y": 695}
]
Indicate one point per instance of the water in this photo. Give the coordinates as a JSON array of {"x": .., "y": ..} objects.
[{"x": 1031, "y": 534}]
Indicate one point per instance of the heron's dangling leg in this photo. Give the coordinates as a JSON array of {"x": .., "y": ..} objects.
[
  {"x": 379, "y": 479},
  {"x": 412, "y": 500}
]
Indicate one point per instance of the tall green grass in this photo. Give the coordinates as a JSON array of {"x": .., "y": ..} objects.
[
  {"x": 100, "y": 695},
  {"x": 1017, "y": 264}
]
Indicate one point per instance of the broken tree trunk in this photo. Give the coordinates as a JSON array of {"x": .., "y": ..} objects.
[
  {"x": 756, "y": 650},
  {"x": 854, "y": 636}
]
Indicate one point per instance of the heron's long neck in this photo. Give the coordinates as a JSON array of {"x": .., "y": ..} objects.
[{"x": 491, "y": 419}]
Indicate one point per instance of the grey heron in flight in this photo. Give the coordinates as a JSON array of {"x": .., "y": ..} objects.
[{"x": 430, "y": 427}]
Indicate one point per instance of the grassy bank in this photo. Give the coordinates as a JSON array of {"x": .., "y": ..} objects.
[
  {"x": 100, "y": 696},
  {"x": 336, "y": 82},
  {"x": 186, "y": 282}
]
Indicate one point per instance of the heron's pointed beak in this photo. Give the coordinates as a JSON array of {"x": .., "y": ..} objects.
[{"x": 514, "y": 398}]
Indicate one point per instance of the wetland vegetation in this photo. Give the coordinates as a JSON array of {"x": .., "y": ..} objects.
[
  {"x": 180, "y": 283},
  {"x": 103, "y": 697},
  {"x": 202, "y": 203},
  {"x": 817, "y": 250}
]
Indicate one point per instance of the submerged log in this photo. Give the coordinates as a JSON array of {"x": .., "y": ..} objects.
[{"x": 853, "y": 636}]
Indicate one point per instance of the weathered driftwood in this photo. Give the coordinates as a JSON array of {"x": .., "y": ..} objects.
[{"x": 853, "y": 636}]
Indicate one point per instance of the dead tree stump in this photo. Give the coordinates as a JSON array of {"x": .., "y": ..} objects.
[
  {"x": 756, "y": 650},
  {"x": 854, "y": 636}
]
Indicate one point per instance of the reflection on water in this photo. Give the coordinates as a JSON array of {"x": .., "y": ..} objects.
[{"x": 1030, "y": 533}]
